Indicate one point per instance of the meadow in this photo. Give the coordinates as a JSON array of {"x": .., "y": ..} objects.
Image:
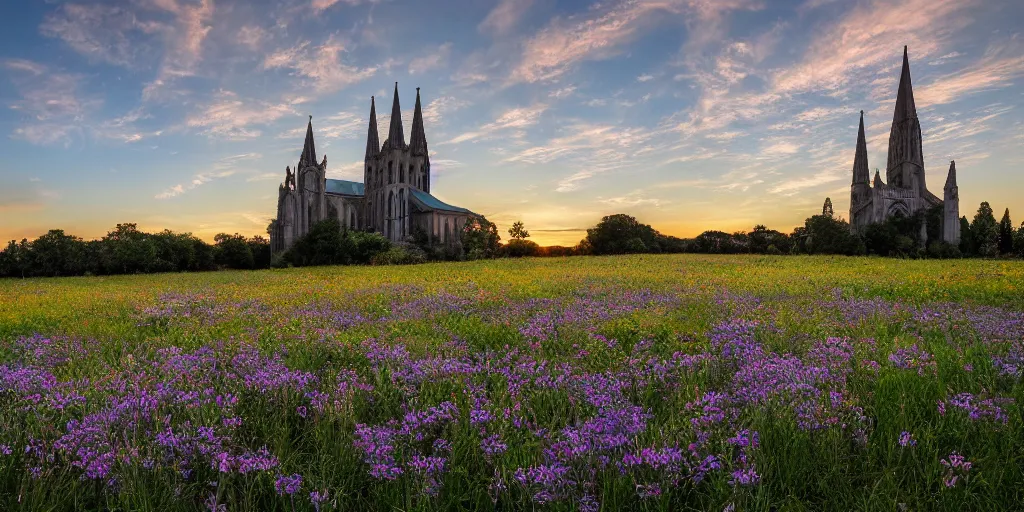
[{"x": 675, "y": 382}]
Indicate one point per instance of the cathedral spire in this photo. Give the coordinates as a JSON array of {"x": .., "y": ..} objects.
[
  {"x": 905, "y": 106},
  {"x": 418, "y": 141},
  {"x": 905, "y": 165},
  {"x": 308, "y": 148},
  {"x": 395, "y": 134},
  {"x": 861, "y": 173},
  {"x": 878, "y": 178},
  {"x": 951, "y": 178},
  {"x": 372, "y": 139}
]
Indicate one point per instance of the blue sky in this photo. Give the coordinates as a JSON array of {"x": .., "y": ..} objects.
[{"x": 688, "y": 114}]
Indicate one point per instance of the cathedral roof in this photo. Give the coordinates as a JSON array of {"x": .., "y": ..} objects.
[
  {"x": 418, "y": 142},
  {"x": 345, "y": 187},
  {"x": 308, "y": 148},
  {"x": 396, "y": 136},
  {"x": 430, "y": 202}
]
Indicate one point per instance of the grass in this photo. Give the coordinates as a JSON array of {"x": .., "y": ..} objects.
[{"x": 677, "y": 382}]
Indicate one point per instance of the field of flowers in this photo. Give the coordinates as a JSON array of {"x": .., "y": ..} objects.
[{"x": 620, "y": 383}]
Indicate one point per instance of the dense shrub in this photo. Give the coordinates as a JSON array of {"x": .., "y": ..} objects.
[{"x": 518, "y": 248}]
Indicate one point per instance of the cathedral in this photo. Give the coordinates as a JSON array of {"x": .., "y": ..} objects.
[
  {"x": 905, "y": 192},
  {"x": 393, "y": 199}
]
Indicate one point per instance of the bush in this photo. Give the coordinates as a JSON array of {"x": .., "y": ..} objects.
[
  {"x": 518, "y": 248},
  {"x": 400, "y": 254}
]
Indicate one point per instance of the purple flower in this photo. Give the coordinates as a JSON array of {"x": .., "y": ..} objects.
[
  {"x": 648, "y": 491},
  {"x": 907, "y": 439},
  {"x": 317, "y": 498},
  {"x": 5, "y": 450},
  {"x": 288, "y": 484},
  {"x": 956, "y": 467}
]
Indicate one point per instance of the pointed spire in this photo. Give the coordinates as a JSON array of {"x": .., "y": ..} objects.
[
  {"x": 372, "y": 139},
  {"x": 395, "y": 134},
  {"x": 905, "y": 106},
  {"x": 861, "y": 173},
  {"x": 308, "y": 148},
  {"x": 951, "y": 178},
  {"x": 418, "y": 142},
  {"x": 878, "y": 178}
]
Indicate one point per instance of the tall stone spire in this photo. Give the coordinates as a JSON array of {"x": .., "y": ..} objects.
[
  {"x": 372, "y": 139},
  {"x": 905, "y": 166},
  {"x": 395, "y": 134},
  {"x": 418, "y": 142},
  {"x": 861, "y": 173},
  {"x": 951, "y": 208},
  {"x": 860, "y": 190},
  {"x": 308, "y": 148}
]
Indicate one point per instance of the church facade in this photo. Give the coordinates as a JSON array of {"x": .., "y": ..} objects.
[
  {"x": 904, "y": 192},
  {"x": 393, "y": 199}
]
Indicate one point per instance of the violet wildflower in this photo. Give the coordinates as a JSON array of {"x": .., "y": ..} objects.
[
  {"x": 5, "y": 450},
  {"x": 957, "y": 467},
  {"x": 907, "y": 439},
  {"x": 288, "y": 484},
  {"x": 318, "y": 498}
]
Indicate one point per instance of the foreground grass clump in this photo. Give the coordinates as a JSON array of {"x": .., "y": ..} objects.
[{"x": 646, "y": 383}]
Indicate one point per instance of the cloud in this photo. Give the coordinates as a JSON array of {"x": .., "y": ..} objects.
[
  {"x": 184, "y": 47},
  {"x": 995, "y": 70},
  {"x": 606, "y": 27},
  {"x": 520, "y": 117},
  {"x": 54, "y": 107},
  {"x": 343, "y": 125},
  {"x": 228, "y": 117},
  {"x": 227, "y": 166},
  {"x": 436, "y": 58},
  {"x": 504, "y": 17},
  {"x": 868, "y": 37},
  {"x": 321, "y": 66},
  {"x": 644, "y": 78},
  {"x": 791, "y": 186},
  {"x": 564, "y": 92},
  {"x": 103, "y": 33},
  {"x": 320, "y": 6},
  {"x": 635, "y": 198},
  {"x": 251, "y": 36},
  {"x": 352, "y": 171},
  {"x": 435, "y": 110}
]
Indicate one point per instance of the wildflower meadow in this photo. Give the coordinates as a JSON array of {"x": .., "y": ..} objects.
[{"x": 675, "y": 382}]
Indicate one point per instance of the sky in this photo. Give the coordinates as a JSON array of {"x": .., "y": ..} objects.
[{"x": 687, "y": 114}]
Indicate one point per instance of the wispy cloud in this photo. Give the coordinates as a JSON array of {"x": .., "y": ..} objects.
[
  {"x": 54, "y": 107},
  {"x": 996, "y": 69},
  {"x": 229, "y": 117},
  {"x": 435, "y": 58},
  {"x": 504, "y": 17},
  {"x": 320, "y": 66},
  {"x": 227, "y": 166},
  {"x": 516, "y": 118}
]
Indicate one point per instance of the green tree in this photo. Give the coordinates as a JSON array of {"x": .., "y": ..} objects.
[
  {"x": 985, "y": 231},
  {"x": 622, "y": 234},
  {"x": 518, "y": 231},
  {"x": 260, "y": 248},
  {"x": 233, "y": 251},
  {"x": 1018, "y": 241},
  {"x": 58, "y": 254},
  {"x": 967, "y": 245},
  {"x": 126, "y": 250},
  {"x": 828, "y": 235},
  {"x": 480, "y": 239},
  {"x": 16, "y": 259},
  {"x": 1006, "y": 234},
  {"x": 762, "y": 240}
]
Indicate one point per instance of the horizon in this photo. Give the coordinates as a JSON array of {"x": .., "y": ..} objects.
[{"x": 688, "y": 115}]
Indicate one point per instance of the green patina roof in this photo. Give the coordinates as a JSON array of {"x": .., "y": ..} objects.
[
  {"x": 434, "y": 203},
  {"x": 348, "y": 188}
]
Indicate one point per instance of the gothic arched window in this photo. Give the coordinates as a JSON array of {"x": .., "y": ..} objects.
[
  {"x": 401, "y": 173},
  {"x": 391, "y": 174}
]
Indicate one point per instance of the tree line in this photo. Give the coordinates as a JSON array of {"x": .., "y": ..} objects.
[{"x": 127, "y": 250}]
